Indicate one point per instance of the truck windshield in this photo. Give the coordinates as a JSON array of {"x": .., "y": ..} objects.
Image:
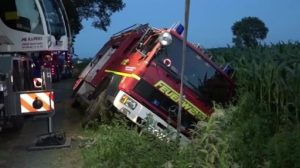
[
  {"x": 54, "y": 19},
  {"x": 22, "y": 15},
  {"x": 209, "y": 84}
]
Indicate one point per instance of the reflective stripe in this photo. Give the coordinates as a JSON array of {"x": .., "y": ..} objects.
[
  {"x": 26, "y": 107},
  {"x": 12, "y": 15},
  {"x": 124, "y": 74},
  {"x": 27, "y": 101},
  {"x": 77, "y": 83}
]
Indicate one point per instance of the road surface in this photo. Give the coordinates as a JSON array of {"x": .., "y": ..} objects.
[{"x": 13, "y": 146}]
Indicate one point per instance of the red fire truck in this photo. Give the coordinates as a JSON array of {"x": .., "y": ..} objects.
[{"x": 138, "y": 72}]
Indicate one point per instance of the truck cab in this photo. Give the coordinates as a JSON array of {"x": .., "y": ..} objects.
[{"x": 32, "y": 25}]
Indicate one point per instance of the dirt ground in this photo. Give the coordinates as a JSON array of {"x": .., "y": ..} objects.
[{"x": 13, "y": 146}]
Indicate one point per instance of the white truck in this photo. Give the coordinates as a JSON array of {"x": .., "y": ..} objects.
[{"x": 28, "y": 27}]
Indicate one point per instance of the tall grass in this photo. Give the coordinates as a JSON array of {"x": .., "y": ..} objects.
[
  {"x": 209, "y": 147},
  {"x": 268, "y": 80},
  {"x": 118, "y": 146}
]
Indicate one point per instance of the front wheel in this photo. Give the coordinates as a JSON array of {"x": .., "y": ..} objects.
[{"x": 99, "y": 108}]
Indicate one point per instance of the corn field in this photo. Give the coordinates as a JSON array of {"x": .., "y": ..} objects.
[{"x": 264, "y": 127}]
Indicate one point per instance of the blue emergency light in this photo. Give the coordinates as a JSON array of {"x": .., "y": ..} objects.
[{"x": 179, "y": 29}]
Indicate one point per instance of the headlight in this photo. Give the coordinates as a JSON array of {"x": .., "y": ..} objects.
[
  {"x": 165, "y": 39},
  {"x": 129, "y": 102}
]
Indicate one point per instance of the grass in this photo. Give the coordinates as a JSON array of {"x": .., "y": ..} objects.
[{"x": 118, "y": 146}]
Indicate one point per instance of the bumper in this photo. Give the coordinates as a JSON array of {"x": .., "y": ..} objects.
[{"x": 141, "y": 114}]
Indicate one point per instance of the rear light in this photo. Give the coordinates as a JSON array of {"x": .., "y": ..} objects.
[{"x": 52, "y": 95}]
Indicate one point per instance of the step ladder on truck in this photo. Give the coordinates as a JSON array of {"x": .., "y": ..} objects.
[{"x": 28, "y": 27}]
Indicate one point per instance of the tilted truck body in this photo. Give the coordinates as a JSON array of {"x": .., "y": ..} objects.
[
  {"x": 28, "y": 27},
  {"x": 140, "y": 76}
]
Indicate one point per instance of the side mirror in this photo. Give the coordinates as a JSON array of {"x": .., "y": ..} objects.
[{"x": 165, "y": 39}]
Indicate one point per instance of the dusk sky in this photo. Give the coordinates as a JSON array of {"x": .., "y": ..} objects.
[{"x": 210, "y": 21}]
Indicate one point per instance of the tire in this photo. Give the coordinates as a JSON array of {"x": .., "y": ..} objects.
[
  {"x": 106, "y": 108},
  {"x": 99, "y": 108}
]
